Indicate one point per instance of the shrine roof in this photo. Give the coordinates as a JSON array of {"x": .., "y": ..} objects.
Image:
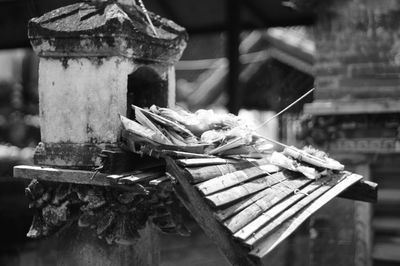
[{"x": 117, "y": 26}]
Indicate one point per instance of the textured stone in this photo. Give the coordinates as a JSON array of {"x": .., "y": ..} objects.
[
  {"x": 358, "y": 50},
  {"x": 106, "y": 29},
  {"x": 96, "y": 59}
]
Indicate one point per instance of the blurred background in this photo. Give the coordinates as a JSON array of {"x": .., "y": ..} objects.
[{"x": 252, "y": 58}]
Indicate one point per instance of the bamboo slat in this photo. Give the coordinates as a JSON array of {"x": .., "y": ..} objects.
[
  {"x": 264, "y": 247},
  {"x": 273, "y": 212},
  {"x": 276, "y": 194},
  {"x": 200, "y": 174},
  {"x": 237, "y": 207},
  {"x": 257, "y": 236},
  {"x": 231, "y": 179},
  {"x": 204, "y": 161},
  {"x": 235, "y": 193}
]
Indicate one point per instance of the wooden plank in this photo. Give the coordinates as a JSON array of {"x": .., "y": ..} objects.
[
  {"x": 232, "y": 179},
  {"x": 235, "y": 193},
  {"x": 264, "y": 247},
  {"x": 200, "y": 174},
  {"x": 61, "y": 175},
  {"x": 203, "y": 214},
  {"x": 276, "y": 194}
]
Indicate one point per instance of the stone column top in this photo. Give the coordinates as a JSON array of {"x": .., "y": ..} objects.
[{"x": 106, "y": 28}]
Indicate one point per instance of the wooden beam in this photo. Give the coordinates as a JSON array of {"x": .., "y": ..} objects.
[
  {"x": 203, "y": 214},
  {"x": 61, "y": 175}
]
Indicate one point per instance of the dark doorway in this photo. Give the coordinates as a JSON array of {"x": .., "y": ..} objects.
[{"x": 145, "y": 88}]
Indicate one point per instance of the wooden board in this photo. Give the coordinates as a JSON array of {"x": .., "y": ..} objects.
[
  {"x": 82, "y": 177},
  {"x": 61, "y": 175}
]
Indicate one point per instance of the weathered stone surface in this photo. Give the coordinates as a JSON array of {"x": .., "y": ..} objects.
[
  {"x": 358, "y": 50},
  {"x": 106, "y": 29},
  {"x": 96, "y": 59}
]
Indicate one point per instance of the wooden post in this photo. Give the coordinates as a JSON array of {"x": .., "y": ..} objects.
[{"x": 233, "y": 42}]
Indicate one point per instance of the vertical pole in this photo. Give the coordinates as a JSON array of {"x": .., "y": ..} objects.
[{"x": 233, "y": 41}]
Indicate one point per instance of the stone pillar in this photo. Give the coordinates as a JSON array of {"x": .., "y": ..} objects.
[{"x": 89, "y": 54}]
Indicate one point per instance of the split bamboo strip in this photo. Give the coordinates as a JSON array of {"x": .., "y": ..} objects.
[
  {"x": 200, "y": 174},
  {"x": 288, "y": 227},
  {"x": 204, "y": 161},
  {"x": 270, "y": 214},
  {"x": 231, "y": 210},
  {"x": 232, "y": 179},
  {"x": 275, "y": 195},
  {"x": 236, "y": 208},
  {"x": 288, "y": 213},
  {"x": 238, "y": 192}
]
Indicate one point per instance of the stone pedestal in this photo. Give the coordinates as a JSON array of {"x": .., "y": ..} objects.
[{"x": 96, "y": 59}]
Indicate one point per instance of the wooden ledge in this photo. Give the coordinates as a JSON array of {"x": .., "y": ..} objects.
[{"x": 61, "y": 175}]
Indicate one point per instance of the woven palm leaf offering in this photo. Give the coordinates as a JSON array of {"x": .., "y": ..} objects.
[
  {"x": 204, "y": 134},
  {"x": 247, "y": 195}
]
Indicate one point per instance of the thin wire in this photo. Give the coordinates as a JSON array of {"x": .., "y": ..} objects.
[
  {"x": 146, "y": 13},
  {"x": 286, "y": 108}
]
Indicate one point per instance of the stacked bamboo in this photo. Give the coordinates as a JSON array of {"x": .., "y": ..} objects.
[{"x": 257, "y": 203}]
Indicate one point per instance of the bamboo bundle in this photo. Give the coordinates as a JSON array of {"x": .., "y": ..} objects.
[{"x": 322, "y": 162}]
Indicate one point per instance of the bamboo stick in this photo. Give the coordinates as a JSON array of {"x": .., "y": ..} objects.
[
  {"x": 204, "y": 161},
  {"x": 232, "y": 179},
  {"x": 276, "y": 194},
  {"x": 200, "y": 174},
  {"x": 268, "y": 215},
  {"x": 235, "y": 193},
  {"x": 257, "y": 236},
  {"x": 264, "y": 247}
]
